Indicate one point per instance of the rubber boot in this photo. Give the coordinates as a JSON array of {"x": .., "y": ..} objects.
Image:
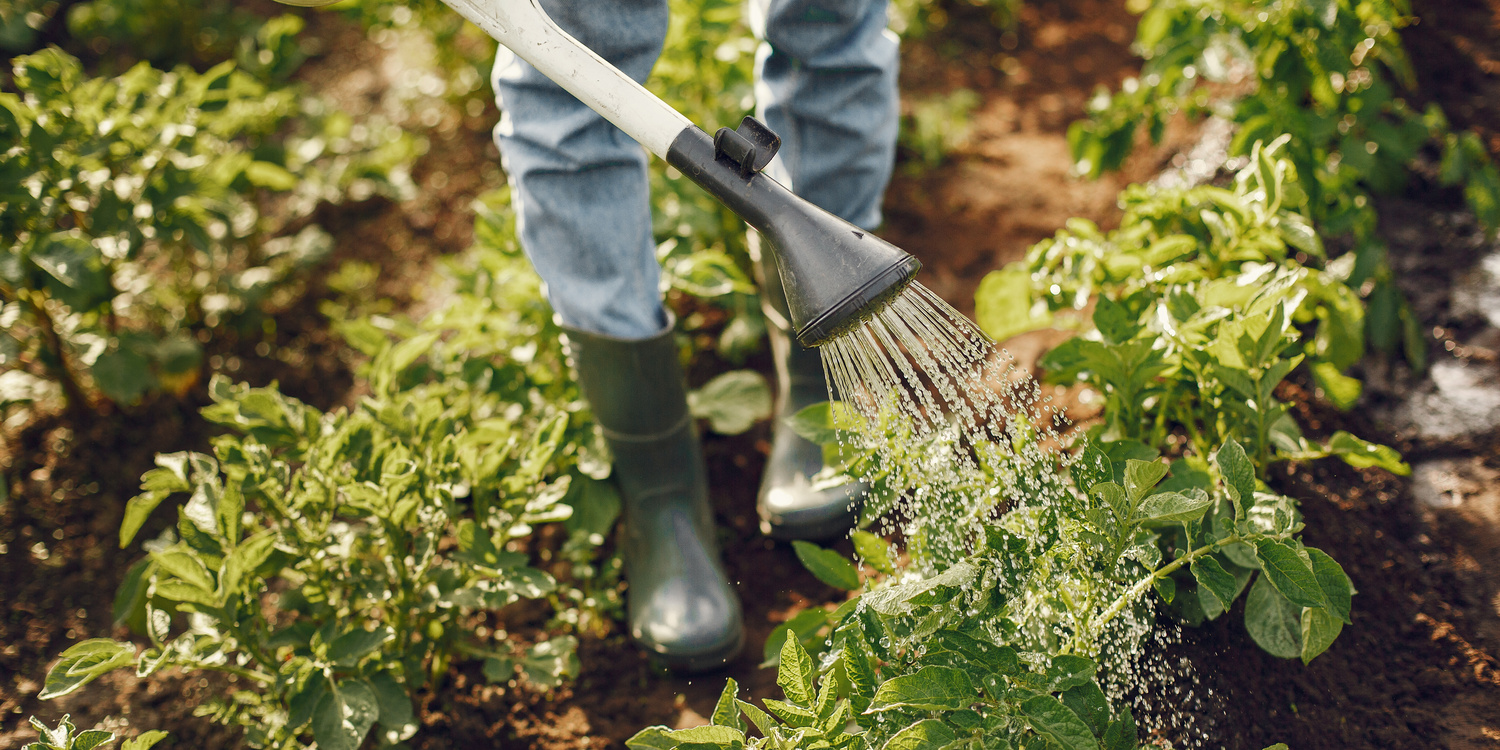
[
  {"x": 681, "y": 607},
  {"x": 789, "y": 506}
]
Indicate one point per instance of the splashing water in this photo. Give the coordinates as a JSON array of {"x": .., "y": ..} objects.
[
  {"x": 951, "y": 412},
  {"x": 965, "y": 439}
]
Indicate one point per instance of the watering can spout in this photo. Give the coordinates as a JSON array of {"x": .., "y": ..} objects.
[{"x": 835, "y": 274}]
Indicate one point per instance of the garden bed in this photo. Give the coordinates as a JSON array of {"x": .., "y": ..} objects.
[{"x": 1420, "y": 666}]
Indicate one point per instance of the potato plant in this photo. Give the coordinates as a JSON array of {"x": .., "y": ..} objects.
[
  {"x": 144, "y": 208},
  {"x": 65, "y": 736},
  {"x": 1204, "y": 300},
  {"x": 335, "y": 563},
  {"x": 1330, "y": 75},
  {"x": 1019, "y": 645},
  {"x": 1327, "y": 73}
]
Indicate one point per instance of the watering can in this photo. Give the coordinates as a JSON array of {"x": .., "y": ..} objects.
[{"x": 835, "y": 274}]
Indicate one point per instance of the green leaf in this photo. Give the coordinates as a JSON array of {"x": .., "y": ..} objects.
[
  {"x": 652, "y": 738},
  {"x": 793, "y": 715},
  {"x": 1069, "y": 671},
  {"x": 828, "y": 566},
  {"x": 349, "y": 647},
  {"x": 1341, "y": 389},
  {"x": 344, "y": 716},
  {"x": 398, "y": 722},
  {"x": 928, "y": 734},
  {"x": 270, "y": 176},
  {"x": 130, "y": 598},
  {"x": 1091, "y": 467},
  {"x": 83, "y": 663},
  {"x": 249, "y": 555},
  {"x": 1118, "y": 500},
  {"x": 1003, "y": 305},
  {"x": 1089, "y": 703},
  {"x": 1337, "y": 589},
  {"x": 144, "y": 740},
  {"x": 551, "y": 662},
  {"x": 1212, "y": 576},
  {"x": 1239, "y": 473},
  {"x": 804, "y": 627},
  {"x": 858, "y": 667},
  {"x": 1362, "y": 454},
  {"x": 1290, "y": 571},
  {"x": 1166, "y": 588},
  {"x": 1274, "y": 623},
  {"x": 795, "y": 673},
  {"x": 732, "y": 402},
  {"x": 1319, "y": 629},
  {"x": 596, "y": 505},
  {"x": 931, "y": 688},
  {"x": 1056, "y": 722},
  {"x": 759, "y": 718},
  {"x": 727, "y": 711},
  {"x": 184, "y": 565},
  {"x": 1175, "y": 507},
  {"x": 91, "y": 738},
  {"x": 1001, "y": 659},
  {"x": 123, "y": 375},
  {"x": 1113, "y": 322},
  {"x": 1141, "y": 476},
  {"x": 875, "y": 552},
  {"x": 1121, "y": 734},
  {"x": 499, "y": 670},
  {"x": 710, "y": 735}
]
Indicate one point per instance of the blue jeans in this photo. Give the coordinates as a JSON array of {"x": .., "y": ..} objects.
[{"x": 826, "y": 83}]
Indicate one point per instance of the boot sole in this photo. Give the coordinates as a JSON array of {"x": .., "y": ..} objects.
[
  {"x": 832, "y": 528},
  {"x": 708, "y": 661}
]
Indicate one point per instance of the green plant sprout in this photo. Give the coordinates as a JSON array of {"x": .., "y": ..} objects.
[
  {"x": 140, "y": 211},
  {"x": 1328, "y": 75},
  {"x": 67, "y": 737},
  {"x": 1205, "y": 299},
  {"x": 336, "y": 563}
]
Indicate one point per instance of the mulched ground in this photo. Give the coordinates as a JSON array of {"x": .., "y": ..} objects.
[{"x": 1417, "y": 669}]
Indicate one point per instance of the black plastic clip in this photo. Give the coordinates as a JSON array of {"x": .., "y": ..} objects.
[{"x": 750, "y": 147}]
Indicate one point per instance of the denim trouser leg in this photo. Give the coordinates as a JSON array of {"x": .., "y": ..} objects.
[
  {"x": 826, "y": 83},
  {"x": 579, "y": 184}
]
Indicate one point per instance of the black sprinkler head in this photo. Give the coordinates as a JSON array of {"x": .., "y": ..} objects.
[{"x": 835, "y": 274}]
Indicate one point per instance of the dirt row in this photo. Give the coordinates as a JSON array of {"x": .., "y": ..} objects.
[{"x": 1417, "y": 668}]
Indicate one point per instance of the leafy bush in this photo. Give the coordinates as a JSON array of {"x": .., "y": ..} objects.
[
  {"x": 1025, "y": 643},
  {"x": 337, "y": 562},
  {"x": 936, "y": 126},
  {"x": 142, "y": 208},
  {"x": 67, "y": 737},
  {"x": 1329, "y": 75},
  {"x": 1202, "y": 303}
]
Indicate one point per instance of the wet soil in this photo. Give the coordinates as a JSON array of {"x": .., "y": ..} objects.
[{"x": 1417, "y": 669}]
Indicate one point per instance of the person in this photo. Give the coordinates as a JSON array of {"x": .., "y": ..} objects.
[{"x": 826, "y": 83}]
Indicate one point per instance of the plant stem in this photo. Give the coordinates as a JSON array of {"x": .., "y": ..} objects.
[
  {"x": 78, "y": 402},
  {"x": 1140, "y": 587},
  {"x": 248, "y": 674}
]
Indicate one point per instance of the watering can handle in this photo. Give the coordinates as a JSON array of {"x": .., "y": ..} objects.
[{"x": 528, "y": 31}]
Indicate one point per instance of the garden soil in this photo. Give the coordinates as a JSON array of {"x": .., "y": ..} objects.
[{"x": 1420, "y": 666}]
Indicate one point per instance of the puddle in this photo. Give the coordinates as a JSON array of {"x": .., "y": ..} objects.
[
  {"x": 1461, "y": 399},
  {"x": 1477, "y": 291},
  {"x": 1452, "y": 483}
]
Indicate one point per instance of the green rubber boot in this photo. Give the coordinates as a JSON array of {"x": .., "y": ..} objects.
[
  {"x": 789, "y": 506},
  {"x": 681, "y": 606}
]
